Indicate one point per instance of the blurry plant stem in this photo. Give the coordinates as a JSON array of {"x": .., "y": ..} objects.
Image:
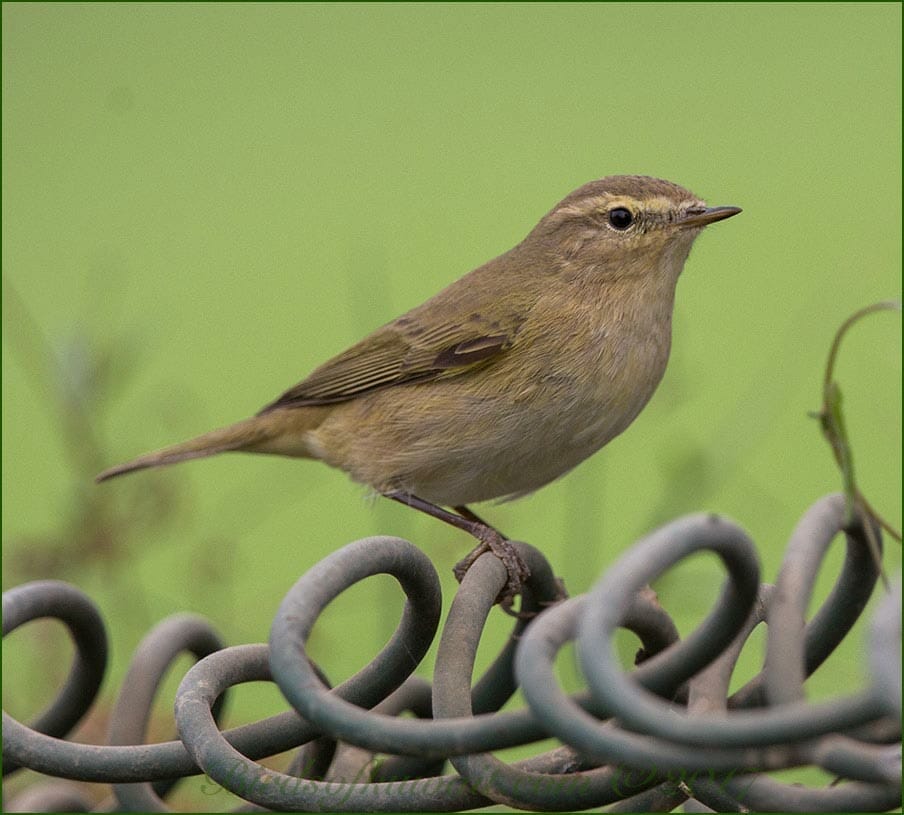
[
  {"x": 97, "y": 527},
  {"x": 831, "y": 419},
  {"x": 30, "y": 344}
]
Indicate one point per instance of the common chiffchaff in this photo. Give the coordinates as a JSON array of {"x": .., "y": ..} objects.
[{"x": 507, "y": 378}]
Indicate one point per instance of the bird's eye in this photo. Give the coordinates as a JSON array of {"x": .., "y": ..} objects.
[{"x": 620, "y": 218}]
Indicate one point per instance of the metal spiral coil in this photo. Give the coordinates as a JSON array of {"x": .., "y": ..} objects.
[{"x": 668, "y": 733}]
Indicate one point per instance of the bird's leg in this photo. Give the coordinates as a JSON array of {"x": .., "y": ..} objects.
[
  {"x": 462, "y": 510},
  {"x": 491, "y": 540}
]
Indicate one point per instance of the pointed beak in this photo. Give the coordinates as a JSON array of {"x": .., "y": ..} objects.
[{"x": 702, "y": 217}]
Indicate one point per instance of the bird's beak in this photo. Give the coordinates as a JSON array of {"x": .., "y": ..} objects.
[{"x": 702, "y": 217}]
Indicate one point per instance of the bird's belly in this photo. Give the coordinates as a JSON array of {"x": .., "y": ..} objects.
[
  {"x": 520, "y": 455},
  {"x": 452, "y": 450}
]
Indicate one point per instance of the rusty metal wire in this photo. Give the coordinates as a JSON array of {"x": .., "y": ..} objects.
[{"x": 666, "y": 734}]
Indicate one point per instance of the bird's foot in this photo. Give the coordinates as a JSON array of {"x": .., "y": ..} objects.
[
  {"x": 491, "y": 540},
  {"x": 517, "y": 569}
]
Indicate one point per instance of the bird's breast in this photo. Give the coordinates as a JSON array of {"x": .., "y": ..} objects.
[
  {"x": 595, "y": 372},
  {"x": 562, "y": 391}
]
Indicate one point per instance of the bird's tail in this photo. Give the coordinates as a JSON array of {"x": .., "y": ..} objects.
[{"x": 244, "y": 435}]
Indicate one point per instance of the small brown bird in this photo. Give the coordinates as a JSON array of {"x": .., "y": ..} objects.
[{"x": 506, "y": 379}]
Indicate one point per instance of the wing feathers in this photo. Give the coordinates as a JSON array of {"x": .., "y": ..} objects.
[
  {"x": 400, "y": 353},
  {"x": 471, "y": 351}
]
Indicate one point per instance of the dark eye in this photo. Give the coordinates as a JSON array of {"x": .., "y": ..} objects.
[{"x": 620, "y": 218}]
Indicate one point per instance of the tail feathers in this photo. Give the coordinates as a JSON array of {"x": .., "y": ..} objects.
[{"x": 240, "y": 436}]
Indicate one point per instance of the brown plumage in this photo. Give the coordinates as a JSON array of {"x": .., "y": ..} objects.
[{"x": 507, "y": 378}]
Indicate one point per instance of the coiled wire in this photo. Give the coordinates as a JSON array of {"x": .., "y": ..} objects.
[{"x": 665, "y": 734}]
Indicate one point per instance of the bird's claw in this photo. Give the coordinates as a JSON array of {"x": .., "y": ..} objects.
[{"x": 517, "y": 569}]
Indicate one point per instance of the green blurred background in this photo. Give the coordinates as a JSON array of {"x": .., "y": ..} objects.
[{"x": 202, "y": 202}]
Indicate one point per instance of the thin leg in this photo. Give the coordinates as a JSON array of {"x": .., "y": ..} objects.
[
  {"x": 462, "y": 510},
  {"x": 490, "y": 540},
  {"x": 470, "y": 523}
]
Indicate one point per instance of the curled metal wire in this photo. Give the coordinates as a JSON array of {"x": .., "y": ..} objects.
[{"x": 665, "y": 734}]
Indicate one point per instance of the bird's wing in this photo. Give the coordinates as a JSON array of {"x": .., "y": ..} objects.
[{"x": 402, "y": 352}]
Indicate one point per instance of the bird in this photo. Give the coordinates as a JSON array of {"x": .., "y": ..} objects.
[{"x": 506, "y": 379}]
